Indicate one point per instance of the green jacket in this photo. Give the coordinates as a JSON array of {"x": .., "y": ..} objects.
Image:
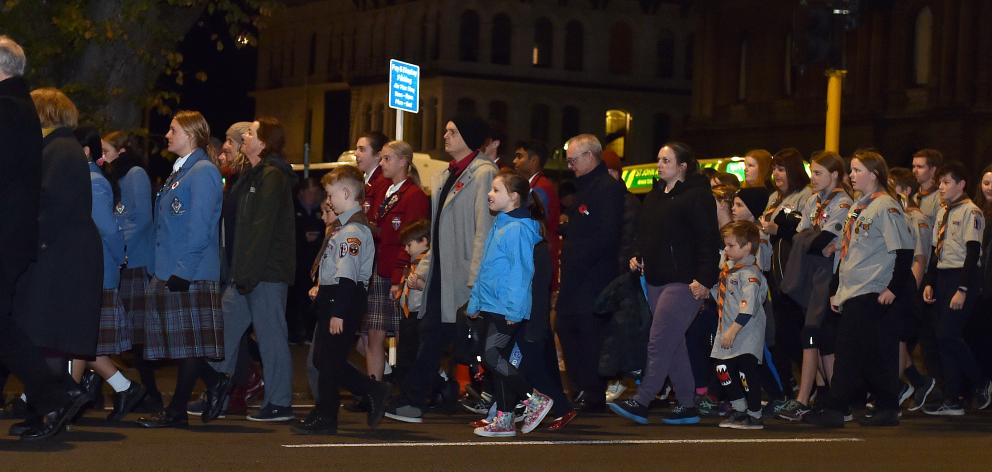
[{"x": 264, "y": 239}]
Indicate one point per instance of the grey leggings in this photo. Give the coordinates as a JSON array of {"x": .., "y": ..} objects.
[{"x": 510, "y": 384}]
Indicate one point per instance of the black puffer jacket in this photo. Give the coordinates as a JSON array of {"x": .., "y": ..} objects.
[{"x": 677, "y": 234}]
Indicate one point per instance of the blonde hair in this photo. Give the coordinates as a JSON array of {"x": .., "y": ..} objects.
[
  {"x": 55, "y": 110},
  {"x": 404, "y": 150},
  {"x": 236, "y": 133},
  {"x": 195, "y": 125},
  {"x": 348, "y": 175}
]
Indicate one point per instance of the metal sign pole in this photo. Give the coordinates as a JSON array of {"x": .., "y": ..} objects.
[{"x": 399, "y": 125}]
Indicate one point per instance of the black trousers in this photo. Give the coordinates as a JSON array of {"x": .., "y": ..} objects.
[
  {"x": 581, "y": 337},
  {"x": 867, "y": 355},
  {"x": 540, "y": 368},
  {"x": 435, "y": 338},
  {"x": 408, "y": 343},
  {"x": 45, "y": 390},
  {"x": 739, "y": 377},
  {"x": 956, "y": 359},
  {"x": 508, "y": 381},
  {"x": 331, "y": 359},
  {"x": 788, "y": 348},
  {"x": 699, "y": 342}
]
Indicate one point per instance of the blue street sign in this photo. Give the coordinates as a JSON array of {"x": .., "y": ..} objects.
[{"x": 404, "y": 86}]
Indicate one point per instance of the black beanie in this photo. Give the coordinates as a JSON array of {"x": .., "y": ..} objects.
[
  {"x": 473, "y": 129},
  {"x": 755, "y": 198}
]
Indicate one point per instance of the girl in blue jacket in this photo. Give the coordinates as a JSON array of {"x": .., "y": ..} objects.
[{"x": 502, "y": 294}]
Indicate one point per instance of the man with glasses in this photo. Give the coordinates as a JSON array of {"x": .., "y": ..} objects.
[{"x": 588, "y": 263}]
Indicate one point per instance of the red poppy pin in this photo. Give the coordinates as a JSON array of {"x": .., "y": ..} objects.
[
  {"x": 458, "y": 186},
  {"x": 584, "y": 209}
]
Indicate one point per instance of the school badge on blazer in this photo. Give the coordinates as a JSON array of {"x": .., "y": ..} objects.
[{"x": 177, "y": 207}]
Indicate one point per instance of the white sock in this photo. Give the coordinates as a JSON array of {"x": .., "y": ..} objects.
[
  {"x": 24, "y": 398},
  {"x": 119, "y": 382},
  {"x": 387, "y": 370}
]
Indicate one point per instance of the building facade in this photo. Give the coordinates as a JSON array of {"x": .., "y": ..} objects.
[
  {"x": 919, "y": 75},
  {"x": 544, "y": 69}
]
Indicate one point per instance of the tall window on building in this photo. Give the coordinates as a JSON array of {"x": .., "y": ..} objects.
[
  {"x": 690, "y": 51},
  {"x": 465, "y": 106},
  {"x": 570, "y": 123},
  {"x": 436, "y": 45},
  {"x": 621, "y": 49},
  {"x": 787, "y": 70},
  {"x": 502, "y": 39},
  {"x": 468, "y": 37},
  {"x": 312, "y": 61},
  {"x": 498, "y": 112},
  {"x": 540, "y": 117},
  {"x": 666, "y": 55},
  {"x": 922, "y": 47},
  {"x": 617, "y": 130},
  {"x": 543, "y": 43},
  {"x": 742, "y": 72},
  {"x": 573, "y": 46},
  {"x": 662, "y": 130}
]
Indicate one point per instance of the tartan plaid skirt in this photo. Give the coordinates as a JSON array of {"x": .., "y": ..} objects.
[
  {"x": 181, "y": 325},
  {"x": 133, "y": 288},
  {"x": 114, "y": 336},
  {"x": 383, "y": 311}
]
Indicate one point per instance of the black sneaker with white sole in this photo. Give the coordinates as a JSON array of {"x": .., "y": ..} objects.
[{"x": 922, "y": 392}]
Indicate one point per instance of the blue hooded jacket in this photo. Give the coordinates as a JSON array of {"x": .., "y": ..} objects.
[{"x": 506, "y": 272}]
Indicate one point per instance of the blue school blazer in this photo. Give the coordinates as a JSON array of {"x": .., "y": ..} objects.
[
  {"x": 187, "y": 218},
  {"x": 135, "y": 212},
  {"x": 109, "y": 227}
]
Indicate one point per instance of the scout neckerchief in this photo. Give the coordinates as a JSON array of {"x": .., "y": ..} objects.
[
  {"x": 405, "y": 295},
  {"x": 852, "y": 221},
  {"x": 942, "y": 229},
  {"x": 819, "y": 216},
  {"x": 331, "y": 229},
  {"x": 919, "y": 195},
  {"x": 722, "y": 289}
]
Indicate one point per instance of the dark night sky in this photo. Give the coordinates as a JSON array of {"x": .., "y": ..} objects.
[{"x": 223, "y": 98}]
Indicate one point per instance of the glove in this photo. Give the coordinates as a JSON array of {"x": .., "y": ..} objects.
[{"x": 177, "y": 284}]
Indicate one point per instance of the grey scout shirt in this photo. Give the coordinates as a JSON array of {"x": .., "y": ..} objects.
[
  {"x": 831, "y": 217},
  {"x": 875, "y": 234},
  {"x": 922, "y": 232},
  {"x": 350, "y": 252},
  {"x": 746, "y": 291},
  {"x": 966, "y": 223}
]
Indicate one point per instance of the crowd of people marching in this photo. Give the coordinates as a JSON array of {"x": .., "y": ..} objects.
[{"x": 811, "y": 290}]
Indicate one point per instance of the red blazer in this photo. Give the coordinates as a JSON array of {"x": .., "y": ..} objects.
[
  {"x": 375, "y": 190},
  {"x": 407, "y": 205},
  {"x": 552, "y": 212}
]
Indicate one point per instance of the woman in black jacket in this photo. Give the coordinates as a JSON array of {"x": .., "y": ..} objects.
[{"x": 679, "y": 243}]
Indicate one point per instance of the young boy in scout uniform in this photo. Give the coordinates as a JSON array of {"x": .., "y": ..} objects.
[
  {"x": 345, "y": 269},
  {"x": 740, "y": 337},
  {"x": 957, "y": 240}
]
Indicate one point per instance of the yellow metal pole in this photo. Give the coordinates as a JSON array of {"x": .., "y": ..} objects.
[{"x": 835, "y": 79}]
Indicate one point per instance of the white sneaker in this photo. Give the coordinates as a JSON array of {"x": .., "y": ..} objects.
[{"x": 614, "y": 390}]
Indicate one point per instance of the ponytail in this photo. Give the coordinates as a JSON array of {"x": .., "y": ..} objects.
[{"x": 514, "y": 183}]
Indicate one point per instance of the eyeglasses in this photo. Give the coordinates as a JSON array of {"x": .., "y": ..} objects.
[{"x": 571, "y": 160}]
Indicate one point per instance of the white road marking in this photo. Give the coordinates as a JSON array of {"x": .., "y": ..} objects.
[{"x": 616, "y": 442}]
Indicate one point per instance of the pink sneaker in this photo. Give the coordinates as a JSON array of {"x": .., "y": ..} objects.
[
  {"x": 538, "y": 406},
  {"x": 501, "y": 427}
]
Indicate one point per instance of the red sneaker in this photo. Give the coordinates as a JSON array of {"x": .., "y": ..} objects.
[{"x": 558, "y": 423}]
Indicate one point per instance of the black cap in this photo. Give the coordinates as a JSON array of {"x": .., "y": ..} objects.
[
  {"x": 473, "y": 129},
  {"x": 755, "y": 198}
]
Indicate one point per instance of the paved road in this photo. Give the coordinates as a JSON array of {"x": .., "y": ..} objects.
[{"x": 600, "y": 442}]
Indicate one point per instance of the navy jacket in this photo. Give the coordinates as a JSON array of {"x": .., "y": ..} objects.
[
  {"x": 108, "y": 224},
  {"x": 187, "y": 219}
]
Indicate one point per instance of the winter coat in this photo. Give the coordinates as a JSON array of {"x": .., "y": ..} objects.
[
  {"x": 20, "y": 184},
  {"x": 507, "y": 270},
  {"x": 59, "y": 297},
  {"x": 463, "y": 224},
  {"x": 265, "y": 226},
  {"x": 591, "y": 241},
  {"x": 108, "y": 224},
  {"x": 406, "y": 205},
  {"x": 677, "y": 234}
]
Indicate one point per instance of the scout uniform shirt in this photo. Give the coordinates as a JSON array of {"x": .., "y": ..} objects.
[
  {"x": 826, "y": 212},
  {"x": 874, "y": 230},
  {"x": 350, "y": 250},
  {"x": 922, "y": 232},
  {"x": 929, "y": 204},
  {"x": 744, "y": 290},
  {"x": 964, "y": 223},
  {"x": 790, "y": 202}
]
